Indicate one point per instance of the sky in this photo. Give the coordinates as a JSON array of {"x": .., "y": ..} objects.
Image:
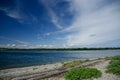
[{"x": 59, "y": 23}]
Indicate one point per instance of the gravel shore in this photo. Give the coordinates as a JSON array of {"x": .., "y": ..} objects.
[
  {"x": 10, "y": 74},
  {"x": 100, "y": 66},
  {"x": 6, "y": 74}
]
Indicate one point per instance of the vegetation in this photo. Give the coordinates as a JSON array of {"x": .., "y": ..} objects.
[
  {"x": 72, "y": 64},
  {"x": 34, "y": 68},
  {"x": 57, "y": 49},
  {"x": 116, "y": 58},
  {"x": 83, "y": 73},
  {"x": 114, "y": 66}
]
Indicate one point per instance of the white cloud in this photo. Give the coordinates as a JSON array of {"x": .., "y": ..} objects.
[
  {"x": 93, "y": 17},
  {"x": 13, "y": 45},
  {"x": 21, "y": 42},
  {"x": 8, "y": 45},
  {"x": 47, "y": 34},
  {"x": 41, "y": 46}
]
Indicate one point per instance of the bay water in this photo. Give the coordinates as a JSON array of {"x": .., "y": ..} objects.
[{"x": 14, "y": 59}]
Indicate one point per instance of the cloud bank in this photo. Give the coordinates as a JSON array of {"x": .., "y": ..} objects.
[{"x": 96, "y": 22}]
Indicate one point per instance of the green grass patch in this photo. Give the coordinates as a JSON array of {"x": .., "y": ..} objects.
[
  {"x": 114, "y": 65},
  {"x": 72, "y": 64},
  {"x": 82, "y": 73}
]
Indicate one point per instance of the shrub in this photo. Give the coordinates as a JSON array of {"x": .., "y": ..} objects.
[
  {"x": 82, "y": 73},
  {"x": 114, "y": 65},
  {"x": 116, "y": 57}
]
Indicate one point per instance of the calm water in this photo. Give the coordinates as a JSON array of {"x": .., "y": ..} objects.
[{"x": 28, "y": 58}]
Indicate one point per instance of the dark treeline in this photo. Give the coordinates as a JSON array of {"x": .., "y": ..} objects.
[{"x": 59, "y": 49}]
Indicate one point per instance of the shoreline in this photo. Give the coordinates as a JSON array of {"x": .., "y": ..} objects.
[
  {"x": 7, "y": 68},
  {"x": 27, "y": 50},
  {"x": 22, "y": 71},
  {"x": 28, "y": 70},
  {"x": 10, "y": 68},
  {"x": 56, "y": 71}
]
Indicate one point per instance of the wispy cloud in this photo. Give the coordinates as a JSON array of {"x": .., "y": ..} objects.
[
  {"x": 54, "y": 19},
  {"x": 14, "y": 40},
  {"x": 13, "y": 13},
  {"x": 17, "y": 13},
  {"x": 93, "y": 17}
]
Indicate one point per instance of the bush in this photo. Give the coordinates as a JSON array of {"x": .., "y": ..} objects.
[
  {"x": 82, "y": 73},
  {"x": 116, "y": 58},
  {"x": 114, "y": 66}
]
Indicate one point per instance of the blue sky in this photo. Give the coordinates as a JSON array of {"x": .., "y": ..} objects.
[{"x": 59, "y": 23}]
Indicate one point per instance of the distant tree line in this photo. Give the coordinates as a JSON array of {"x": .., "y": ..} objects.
[{"x": 59, "y": 49}]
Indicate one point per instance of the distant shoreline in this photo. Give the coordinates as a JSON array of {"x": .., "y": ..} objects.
[{"x": 56, "y": 49}]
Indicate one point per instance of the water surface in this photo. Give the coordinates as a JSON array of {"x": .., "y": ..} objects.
[{"x": 13, "y": 59}]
